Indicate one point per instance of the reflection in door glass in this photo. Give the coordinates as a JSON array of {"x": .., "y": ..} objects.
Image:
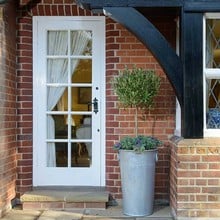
[
  {"x": 80, "y": 155},
  {"x": 83, "y": 147},
  {"x": 61, "y": 126},
  {"x": 69, "y": 143},
  {"x": 61, "y": 154},
  {"x": 82, "y": 98},
  {"x": 83, "y": 71}
]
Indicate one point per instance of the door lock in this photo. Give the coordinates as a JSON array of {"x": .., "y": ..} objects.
[{"x": 95, "y": 105}]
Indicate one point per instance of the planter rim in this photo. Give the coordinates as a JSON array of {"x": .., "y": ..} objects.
[{"x": 138, "y": 152}]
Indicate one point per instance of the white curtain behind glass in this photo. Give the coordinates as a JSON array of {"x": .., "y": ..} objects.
[{"x": 57, "y": 72}]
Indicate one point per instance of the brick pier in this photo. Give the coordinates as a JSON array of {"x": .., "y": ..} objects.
[{"x": 195, "y": 178}]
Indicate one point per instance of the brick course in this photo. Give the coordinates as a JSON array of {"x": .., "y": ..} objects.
[
  {"x": 194, "y": 178},
  {"x": 123, "y": 49}
]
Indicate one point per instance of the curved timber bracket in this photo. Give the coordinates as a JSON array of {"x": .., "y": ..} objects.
[{"x": 148, "y": 34}]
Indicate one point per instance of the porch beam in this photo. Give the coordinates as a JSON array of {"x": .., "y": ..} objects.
[
  {"x": 202, "y": 6},
  {"x": 97, "y": 4},
  {"x": 145, "y": 31}
]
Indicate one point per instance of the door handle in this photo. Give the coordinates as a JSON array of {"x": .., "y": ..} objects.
[{"x": 95, "y": 105}]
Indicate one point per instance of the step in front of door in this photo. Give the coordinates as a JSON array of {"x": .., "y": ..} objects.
[{"x": 65, "y": 199}]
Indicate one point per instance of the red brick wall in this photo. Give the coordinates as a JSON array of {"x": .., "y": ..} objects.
[
  {"x": 122, "y": 48},
  {"x": 7, "y": 106},
  {"x": 24, "y": 72},
  {"x": 195, "y": 178}
]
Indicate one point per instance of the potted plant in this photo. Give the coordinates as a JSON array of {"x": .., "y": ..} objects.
[{"x": 136, "y": 88}]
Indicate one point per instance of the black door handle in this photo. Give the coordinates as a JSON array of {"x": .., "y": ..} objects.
[{"x": 95, "y": 105}]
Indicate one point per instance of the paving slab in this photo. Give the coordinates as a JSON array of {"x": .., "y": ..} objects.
[
  {"x": 22, "y": 215},
  {"x": 111, "y": 213},
  {"x": 60, "y": 215},
  {"x": 162, "y": 212}
]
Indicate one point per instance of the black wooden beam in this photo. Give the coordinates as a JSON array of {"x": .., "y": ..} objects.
[
  {"x": 192, "y": 56},
  {"x": 189, "y": 5},
  {"x": 155, "y": 3},
  {"x": 97, "y": 4},
  {"x": 137, "y": 24},
  {"x": 202, "y": 5}
]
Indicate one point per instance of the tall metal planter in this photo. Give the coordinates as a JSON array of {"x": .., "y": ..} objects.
[{"x": 137, "y": 177}]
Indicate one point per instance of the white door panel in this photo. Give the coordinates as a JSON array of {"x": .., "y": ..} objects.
[{"x": 69, "y": 75}]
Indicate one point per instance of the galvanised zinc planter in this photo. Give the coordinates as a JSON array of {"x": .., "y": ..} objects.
[{"x": 137, "y": 177}]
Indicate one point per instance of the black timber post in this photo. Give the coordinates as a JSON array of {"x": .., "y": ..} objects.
[{"x": 192, "y": 56}]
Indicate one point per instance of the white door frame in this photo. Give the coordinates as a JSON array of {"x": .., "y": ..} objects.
[{"x": 39, "y": 84}]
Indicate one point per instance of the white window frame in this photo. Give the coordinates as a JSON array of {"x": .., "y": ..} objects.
[{"x": 211, "y": 73}]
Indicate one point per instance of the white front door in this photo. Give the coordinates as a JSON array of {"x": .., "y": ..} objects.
[{"x": 69, "y": 101}]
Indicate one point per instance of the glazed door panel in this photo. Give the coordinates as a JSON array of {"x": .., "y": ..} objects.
[{"x": 68, "y": 103}]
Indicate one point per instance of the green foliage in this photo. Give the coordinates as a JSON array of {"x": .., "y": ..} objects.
[
  {"x": 136, "y": 88},
  {"x": 138, "y": 144}
]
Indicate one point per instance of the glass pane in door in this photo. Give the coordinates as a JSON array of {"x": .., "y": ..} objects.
[
  {"x": 61, "y": 154},
  {"x": 57, "y": 42},
  {"x": 69, "y": 98},
  {"x": 85, "y": 48},
  {"x": 82, "y": 148},
  {"x": 57, "y": 70},
  {"x": 83, "y": 71}
]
